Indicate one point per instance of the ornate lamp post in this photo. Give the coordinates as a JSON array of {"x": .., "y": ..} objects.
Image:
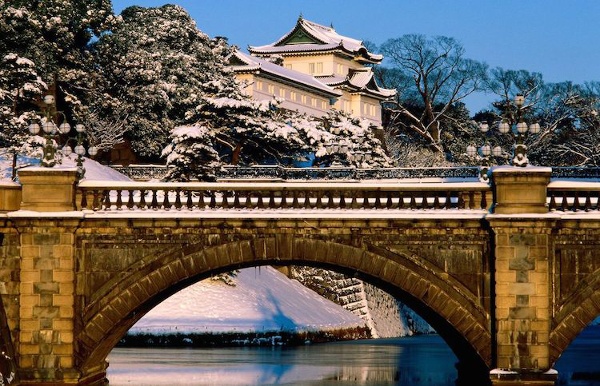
[
  {"x": 514, "y": 125},
  {"x": 52, "y": 132},
  {"x": 79, "y": 149},
  {"x": 485, "y": 153},
  {"x": 519, "y": 129}
]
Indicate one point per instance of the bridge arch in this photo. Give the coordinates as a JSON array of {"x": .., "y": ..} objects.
[
  {"x": 576, "y": 312},
  {"x": 443, "y": 301}
]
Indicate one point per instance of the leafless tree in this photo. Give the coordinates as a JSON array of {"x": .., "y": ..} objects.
[
  {"x": 105, "y": 133},
  {"x": 567, "y": 114},
  {"x": 440, "y": 76}
]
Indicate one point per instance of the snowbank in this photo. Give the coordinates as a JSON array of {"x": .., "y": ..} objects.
[{"x": 263, "y": 299}]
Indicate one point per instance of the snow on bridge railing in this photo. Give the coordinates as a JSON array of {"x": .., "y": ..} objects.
[
  {"x": 129, "y": 196},
  {"x": 574, "y": 189},
  {"x": 572, "y": 195}
]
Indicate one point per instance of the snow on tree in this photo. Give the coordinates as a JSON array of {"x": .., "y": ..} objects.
[
  {"x": 55, "y": 35},
  {"x": 158, "y": 67},
  {"x": 20, "y": 86},
  {"x": 45, "y": 44},
  {"x": 240, "y": 130},
  {"x": 64, "y": 29},
  {"x": 567, "y": 114},
  {"x": 233, "y": 129},
  {"x": 192, "y": 154},
  {"x": 339, "y": 139}
]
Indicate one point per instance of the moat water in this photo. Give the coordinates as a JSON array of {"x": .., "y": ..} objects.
[{"x": 420, "y": 360}]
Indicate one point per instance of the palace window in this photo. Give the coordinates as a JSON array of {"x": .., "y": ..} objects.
[
  {"x": 345, "y": 106},
  {"x": 315, "y": 68}
]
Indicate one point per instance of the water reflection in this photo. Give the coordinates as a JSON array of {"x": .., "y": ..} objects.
[
  {"x": 408, "y": 361},
  {"x": 422, "y": 360},
  {"x": 580, "y": 363}
]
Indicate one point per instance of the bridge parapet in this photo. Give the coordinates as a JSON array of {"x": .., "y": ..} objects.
[
  {"x": 277, "y": 195},
  {"x": 571, "y": 195},
  {"x": 10, "y": 196}
]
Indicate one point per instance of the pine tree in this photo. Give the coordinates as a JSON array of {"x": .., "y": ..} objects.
[
  {"x": 339, "y": 139},
  {"x": 157, "y": 67},
  {"x": 20, "y": 86},
  {"x": 45, "y": 44}
]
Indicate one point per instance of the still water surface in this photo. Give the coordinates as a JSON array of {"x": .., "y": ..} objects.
[{"x": 421, "y": 360}]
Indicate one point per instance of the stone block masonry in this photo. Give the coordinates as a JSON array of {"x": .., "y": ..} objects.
[
  {"x": 45, "y": 340},
  {"x": 523, "y": 318}
]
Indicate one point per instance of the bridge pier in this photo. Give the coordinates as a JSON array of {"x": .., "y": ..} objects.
[
  {"x": 522, "y": 277},
  {"x": 43, "y": 323},
  {"x": 45, "y": 340}
]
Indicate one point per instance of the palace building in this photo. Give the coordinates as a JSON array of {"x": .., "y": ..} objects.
[
  {"x": 313, "y": 69},
  {"x": 298, "y": 91}
]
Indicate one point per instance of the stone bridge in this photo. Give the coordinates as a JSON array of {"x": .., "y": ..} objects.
[{"x": 508, "y": 273}]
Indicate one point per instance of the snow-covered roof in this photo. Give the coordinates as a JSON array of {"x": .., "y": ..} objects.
[
  {"x": 244, "y": 63},
  {"x": 359, "y": 81},
  {"x": 332, "y": 80},
  {"x": 363, "y": 80},
  {"x": 308, "y": 36}
]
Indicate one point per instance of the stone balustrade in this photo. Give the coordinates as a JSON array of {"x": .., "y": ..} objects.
[
  {"x": 573, "y": 196},
  {"x": 107, "y": 196},
  {"x": 58, "y": 190}
]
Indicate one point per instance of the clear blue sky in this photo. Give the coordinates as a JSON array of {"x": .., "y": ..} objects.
[{"x": 560, "y": 39}]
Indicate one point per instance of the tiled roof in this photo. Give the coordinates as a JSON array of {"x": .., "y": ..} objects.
[
  {"x": 319, "y": 38},
  {"x": 332, "y": 80},
  {"x": 242, "y": 62},
  {"x": 359, "y": 80},
  {"x": 363, "y": 80}
]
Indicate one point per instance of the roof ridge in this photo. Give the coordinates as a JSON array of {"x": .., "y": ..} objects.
[{"x": 321, "y": 26}]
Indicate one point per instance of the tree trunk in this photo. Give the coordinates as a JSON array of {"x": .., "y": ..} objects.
[
  {"x": 14, "y": 166},
  {"x": 235, "y": 156}
]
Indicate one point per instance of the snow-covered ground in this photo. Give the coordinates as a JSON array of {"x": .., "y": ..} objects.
[{"x": 263, "y": 299}]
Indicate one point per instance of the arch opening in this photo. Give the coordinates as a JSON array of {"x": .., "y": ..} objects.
[{"x": 468, "y": 340}]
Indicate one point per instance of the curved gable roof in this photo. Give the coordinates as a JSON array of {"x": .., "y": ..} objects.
[
  {"x": 359, "y": 81},
  {"x": 308, "y": 36},
  {"x": 363, "y": 80}
]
